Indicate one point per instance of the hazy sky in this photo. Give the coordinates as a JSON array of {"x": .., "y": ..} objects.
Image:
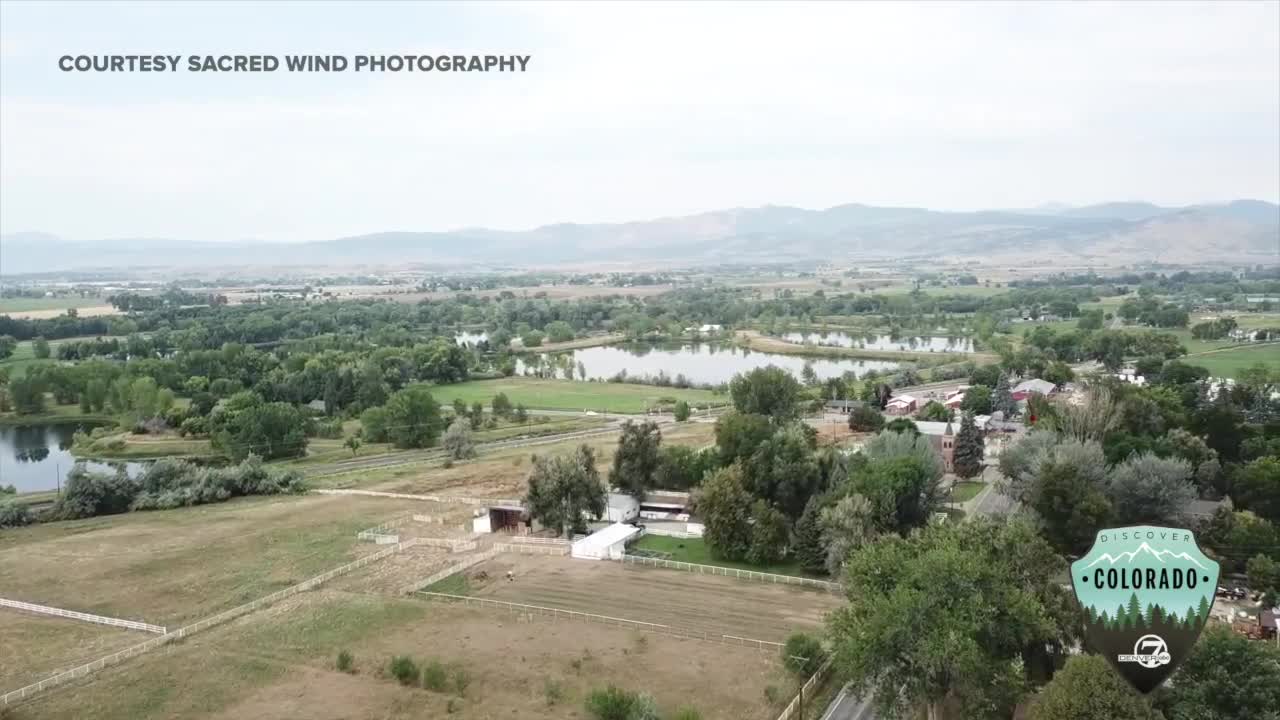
[{"x": 627, "y": 112}]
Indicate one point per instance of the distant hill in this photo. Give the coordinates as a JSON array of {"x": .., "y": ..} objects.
[{"x": 1115, "y": 232}]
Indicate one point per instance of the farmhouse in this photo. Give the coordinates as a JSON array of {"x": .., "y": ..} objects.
[
  {"x": 955, "y": 398},
  {"x": 901, "y": 405},
  {"x": 1026, "y": 388}
]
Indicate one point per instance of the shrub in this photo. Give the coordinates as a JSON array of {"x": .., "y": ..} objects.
[
  {"x": 452, "y": 706},
  {"x": 682, "y": 411},
  {"x": 461, "y": 680},
  {"x": 552, "y": 691},
  {"x": 404, "y": 669},
  {"x": 687, "y": 713},
  {"x": 13, "y": 514},
  {"x": 803, "y": 654},
  {"x": 772, "y": 694},
  {"x": 864, "y": 418},
  {"x": 435, "y": 676},
  {"x": 612, "y": 703},
  {"x": 346, "y": 663}
]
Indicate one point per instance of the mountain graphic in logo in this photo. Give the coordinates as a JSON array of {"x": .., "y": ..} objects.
[{"x": 1147, "y": 592}]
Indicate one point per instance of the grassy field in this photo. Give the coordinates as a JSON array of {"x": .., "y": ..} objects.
[
  {"x": 24, "y": 304},
  {"x": 1229, "y": 363},
  {"x": 145, "y": 446},
  {"x": 535, "y": 393},
  {"x": 50, "y": 644},
  {"x": 695, "y": 550},
  {"x": 174, "y": 566},
  {"x": 966, "y": 491},
  {"x": 280, "y": 663}
]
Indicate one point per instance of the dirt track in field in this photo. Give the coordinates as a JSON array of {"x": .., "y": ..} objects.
[{"x": 716, "y": 605}]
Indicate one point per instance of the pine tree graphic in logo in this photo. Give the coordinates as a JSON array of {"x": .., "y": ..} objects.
[{"x": 1147, "y": 592}]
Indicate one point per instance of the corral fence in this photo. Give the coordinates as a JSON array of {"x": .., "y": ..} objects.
[
  {"x": 381, "y": 534},
  {"x": 23, "y": 693},
  {"x": 552, "y": 612},
  {"x": 483, "y": 502},
  {"x": 792, "y": 710},
  {"x": 451, "y": 544},
  {"x": 531, "y": 540},
  {"x": 451, "y": 570},
  {"x": 87, "y": 617},
  {"x": 752, "y": 575},
  {"x": 530, "y": 549}
]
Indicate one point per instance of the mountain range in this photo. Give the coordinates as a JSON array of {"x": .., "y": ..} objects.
[{"x": 1241, "y": 231}]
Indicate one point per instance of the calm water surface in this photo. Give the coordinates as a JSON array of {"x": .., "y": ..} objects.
[{"x": 36, "y": 457}]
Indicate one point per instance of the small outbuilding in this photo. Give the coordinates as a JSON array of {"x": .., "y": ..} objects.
[{"x": 608, "y": 543}]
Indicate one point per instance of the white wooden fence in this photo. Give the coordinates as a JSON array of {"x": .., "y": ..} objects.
[
  {"x": 793, "y": 708},
  {"x": 451, "y": 544},
  {"x": 531, "y": 540},
  {"x": 483, "y": 502},
  {"x": 641, "y": 625},
  {"x": 733, "y": 572},
  {"x": 528, "y": 549},
  {"x": 451, "y": 570},
  {"x": 87, "y": 617},
  {"x": 20, "y": 694}
]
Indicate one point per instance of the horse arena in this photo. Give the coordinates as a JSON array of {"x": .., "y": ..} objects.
[{"x": 533, "y": 628}]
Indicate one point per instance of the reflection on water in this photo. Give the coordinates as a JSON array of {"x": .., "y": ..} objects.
[
  {"x": 874, "y": 341},
  {"x": 466, "y": 337},
  {"x": 38, "y": 457},
  {"x": 699, "y": 363}
]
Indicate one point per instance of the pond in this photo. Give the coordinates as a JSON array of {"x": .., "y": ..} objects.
[
  {"x": 38, "y": 457},
  {"x": 873, "y": 341},
  {"x": 699, "y": 363}
]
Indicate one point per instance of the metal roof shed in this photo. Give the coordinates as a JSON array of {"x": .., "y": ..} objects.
[{"x": 607, "y": 543}]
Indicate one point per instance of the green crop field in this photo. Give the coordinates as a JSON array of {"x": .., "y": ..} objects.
[
  {"x": 23, "y": 304},
  {"x": 1229, "y": 363},
  {"x": 538, "y": 394}
]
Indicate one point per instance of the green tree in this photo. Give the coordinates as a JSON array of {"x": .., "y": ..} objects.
[
  {"x": 246, "y": 425},
  {"x": 1002, "y": 398},
  {"x": 1086, "y": 688},
  {"x": 901, "y": 426},
  {"x": 522, "y": 415},
  {"x": 969, "y": 448},
  {"x": 1069, "y": 499},
  {"x": 738, "y": 435},
  {"x": 532, "y": 339},
  {"x": 1264, "y": 577},
  {"x": 944, "y": 614},
  {"x": 769, "y": 532},
  {"x": 807, "y": 543},
  {"x": 457, "y": 441},
  {"x": 1225, "y": 677},
  {"x": 865, "y": 418},
  {"x": 373, "y": 424},
  {"x": 986, "y": 375},
  {"x": 501, "y": 405},
  {"x": 681, "y": 467},
  {"x": 902, "y": 491},
  {"x": 1150, "y": 490},
  {"x": 725, "y": 508},
  {"x": 977, "y": 400},
  {"x": 681, "y": 411},
  {"x": 559, "y": 331},
  {"x": 1058, "y": 373},
  {"x": 1257, "y": 488},
  {"x": 803, "y": 654},
  {"x": 769, "y": 391},
  {"x": 40, "y": 347},
  {"x": 934, "y": 411},
  {"x": 846, "y": 526},
  {"x": 636, "y": 459},
  {"x": 27, "y": 394},
  {"x": 413, "y": 418},
  {"x": 565, "y": 490},
  {"x": 353, "y": 444},
  {"x": 784, "y": 470},
  {"x": 7, "y": 346}
]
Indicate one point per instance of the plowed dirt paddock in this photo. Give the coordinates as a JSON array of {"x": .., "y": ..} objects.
[
  {"x": 717, "y": 605},
  {"x": 33, "y": 647},
  {"x": 280, "y": 664}
]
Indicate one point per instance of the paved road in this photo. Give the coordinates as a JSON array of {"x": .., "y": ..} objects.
[
  {"x": 846, "y": 706},
  {"x": 990, "y": 501}
]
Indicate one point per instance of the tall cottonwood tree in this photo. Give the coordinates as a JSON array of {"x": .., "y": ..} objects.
[
  {"x": 637, "y": 458},
  {"x": 565, "y": 490},
  {"x": 967, "y": 457}
]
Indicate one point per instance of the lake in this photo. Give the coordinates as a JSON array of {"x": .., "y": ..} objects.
[
  {"x": 37, "y": 457},
  {"x": 873, "y": 341},
  {"x": 700, "y": 363}
]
